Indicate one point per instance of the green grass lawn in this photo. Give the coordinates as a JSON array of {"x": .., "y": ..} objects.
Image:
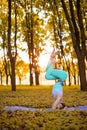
[{"x": 40, "y": 97}]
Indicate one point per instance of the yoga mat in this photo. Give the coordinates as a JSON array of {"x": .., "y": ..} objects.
[{"x": 14, "y": 108}]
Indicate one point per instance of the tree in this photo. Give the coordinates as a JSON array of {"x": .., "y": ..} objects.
[
  {"x": 3, "y": 36},
  {"x": 59, "y": 30},
  {"x": 21, "y": 69},
  {"x": 33, "y": 31},
  {"x": 29, "y": 26},
  {"x": 12, "y": 49},
  {"x": 75, "y": 20}
]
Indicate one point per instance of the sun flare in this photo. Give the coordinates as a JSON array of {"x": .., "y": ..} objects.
[
  {"x": 44, "y": 57},
  {"x": 43, "y": 60}
]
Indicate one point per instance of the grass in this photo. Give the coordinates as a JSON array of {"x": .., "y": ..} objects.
[{"x": 40, "y": 97}]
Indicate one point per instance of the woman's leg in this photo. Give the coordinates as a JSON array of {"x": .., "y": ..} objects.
[
  {"x": 50, "y": 67},
  {"x": 59, "y": 74},
  {"x": 53, "y": 74},
  {"x": 48, "y": 74}
]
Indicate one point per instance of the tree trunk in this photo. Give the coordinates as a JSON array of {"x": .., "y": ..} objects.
[
  {"x": 81, "y": 65},
  {"x": 32, "y": 43},
  {"x": 74, "y": 76},
  {"x": 1, "y": 77},
  {"x": 13, "y": 80},
  {"x": 37, "y": 78},
  {"x": 6, "y": 79},
  {"x": 74, "y": 71},
  {"x": 31, "y": 75},
  {"x": 19, "y": 80},
  {"x": 12, "y": 54},
  {"x": 78, "y": 79},
  {"x": 29, "y": 37}
]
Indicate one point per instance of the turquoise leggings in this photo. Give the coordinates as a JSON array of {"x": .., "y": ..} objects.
[{"x": 53, "y": 74}]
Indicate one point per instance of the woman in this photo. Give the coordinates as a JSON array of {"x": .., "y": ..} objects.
[{"x": 60, "y": 76}]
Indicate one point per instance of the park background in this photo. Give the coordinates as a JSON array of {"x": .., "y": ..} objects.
[{"x": 29, "y": 31}]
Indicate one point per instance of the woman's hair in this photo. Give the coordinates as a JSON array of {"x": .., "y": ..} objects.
[{"x": 62, "y": 106}]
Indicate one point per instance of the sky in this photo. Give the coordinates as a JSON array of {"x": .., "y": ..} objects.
[{"x": 44, "y": 56}]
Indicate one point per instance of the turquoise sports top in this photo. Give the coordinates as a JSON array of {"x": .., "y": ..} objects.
[
  {"x": 58, "y": 85},
  {"x": 57, "y": 89}
]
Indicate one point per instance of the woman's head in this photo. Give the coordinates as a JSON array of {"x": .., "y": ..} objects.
[{"x": 61, "y": 106}]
